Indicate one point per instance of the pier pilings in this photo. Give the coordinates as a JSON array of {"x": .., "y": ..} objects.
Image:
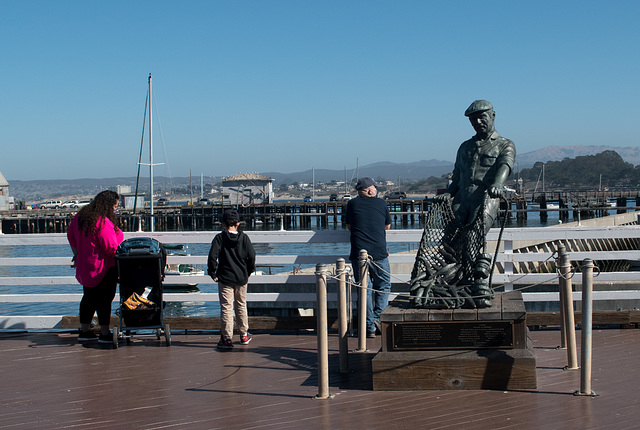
[{"x": 405, "y": 213}]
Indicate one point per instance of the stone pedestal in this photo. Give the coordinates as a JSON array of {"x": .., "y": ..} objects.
[{"x": 469, "y": 349}]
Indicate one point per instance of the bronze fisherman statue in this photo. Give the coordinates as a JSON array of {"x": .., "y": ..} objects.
[{"x": 452, "y": 268}]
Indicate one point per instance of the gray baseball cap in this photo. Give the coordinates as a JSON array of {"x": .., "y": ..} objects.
[{"x": 364, "y": 183}]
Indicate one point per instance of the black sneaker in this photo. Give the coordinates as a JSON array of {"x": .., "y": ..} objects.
[
  {"x": 86, "y": 336},
  {"x": 371, "y": 334},
  {"x": 225, "y": 344},
  {"x": 105, "y": 338}
]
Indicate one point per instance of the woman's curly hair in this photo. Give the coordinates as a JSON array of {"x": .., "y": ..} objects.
[{"x": 100, "y": 207}]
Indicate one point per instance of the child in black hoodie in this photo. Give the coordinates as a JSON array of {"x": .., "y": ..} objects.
[{"x": 231, "y": 261}]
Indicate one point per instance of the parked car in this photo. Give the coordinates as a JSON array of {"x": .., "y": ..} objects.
[
  {"x": 346, "y": 197},
  {"x": 396, "y": 195},
  {"x": 333, "y": 197},
  {"x": 75, "y": 204},
  {"x": 204, "y": 202},
  {"x": 163, "y": 202},
  {"x": 308, "y": 199},
  {"x": 51, "y": 204}
]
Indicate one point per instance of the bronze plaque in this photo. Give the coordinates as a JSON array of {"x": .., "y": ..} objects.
[{"x": 452, "y": 335}]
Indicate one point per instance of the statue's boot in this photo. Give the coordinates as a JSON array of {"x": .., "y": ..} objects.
[{"x": 482, "y": 293}]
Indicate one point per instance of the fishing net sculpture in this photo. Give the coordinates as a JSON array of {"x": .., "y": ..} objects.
[{"x": 451, "y": 268}]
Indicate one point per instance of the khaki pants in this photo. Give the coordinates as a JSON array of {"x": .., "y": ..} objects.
[{"x": 233, "y": 298}]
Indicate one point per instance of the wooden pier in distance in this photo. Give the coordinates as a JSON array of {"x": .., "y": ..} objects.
[{"x": 408, "y": 213}]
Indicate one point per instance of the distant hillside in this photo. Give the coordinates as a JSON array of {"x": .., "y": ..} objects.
[
  {"x": 39, "y": 190},
  {"x": 559, "y": 153},
  {"x": 382, "y": 170},
  {"x": 414, "y": 171}
]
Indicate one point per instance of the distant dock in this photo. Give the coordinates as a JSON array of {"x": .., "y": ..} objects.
[
  {"x": 275, "y": 216},
  {"x": 406, "y": 213}
]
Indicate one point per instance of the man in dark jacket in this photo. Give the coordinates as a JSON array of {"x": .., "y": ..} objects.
[
  {"x": 232, "y": 260},
  {"x": 368, "y": 219}
]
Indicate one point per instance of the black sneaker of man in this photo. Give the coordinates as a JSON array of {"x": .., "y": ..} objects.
[
  {"x": 371, "y": 334},
  {"x": 86, "y": 336},
  {"x": 105, "y": 338}
]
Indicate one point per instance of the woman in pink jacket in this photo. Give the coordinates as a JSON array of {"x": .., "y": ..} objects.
[{"x": 94, "y": 237}]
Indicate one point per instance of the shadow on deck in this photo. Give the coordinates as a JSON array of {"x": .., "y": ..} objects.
[{"x": 52, "y": 382}]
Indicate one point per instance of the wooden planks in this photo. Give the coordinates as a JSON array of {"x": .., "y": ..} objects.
[{"x": 52, "y": 382}]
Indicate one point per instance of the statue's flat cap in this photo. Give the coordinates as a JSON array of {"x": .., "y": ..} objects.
[{"x": 478, "y": 106}]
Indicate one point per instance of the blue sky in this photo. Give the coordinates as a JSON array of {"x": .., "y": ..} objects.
[{"x": 258, "y": 86}]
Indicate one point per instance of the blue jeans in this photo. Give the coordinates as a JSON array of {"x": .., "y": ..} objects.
[{"x": 379, "y": 288}]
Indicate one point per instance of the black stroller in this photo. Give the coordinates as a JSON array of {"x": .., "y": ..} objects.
[{"x": 141, "y": 262}]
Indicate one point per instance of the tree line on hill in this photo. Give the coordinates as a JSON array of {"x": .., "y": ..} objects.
[{"x": 605, "y": 169}]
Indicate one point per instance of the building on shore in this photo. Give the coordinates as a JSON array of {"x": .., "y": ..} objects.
[
  {"x": 129, "y": 199},
  {"x": 6, "y": 202},
  {"x": 247, "y": 188}
]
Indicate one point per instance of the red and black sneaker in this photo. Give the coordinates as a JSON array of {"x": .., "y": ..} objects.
[{"x": 225, "y": 344}]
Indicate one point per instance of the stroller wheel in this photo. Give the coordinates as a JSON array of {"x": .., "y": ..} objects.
[
  {"x": 167, "y": 334},
  {"x": 115, "y": 337}
]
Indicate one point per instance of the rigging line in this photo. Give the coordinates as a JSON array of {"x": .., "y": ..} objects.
[
  {"x": 505, "y": 215},
  {"x": 353, "y": 174},
  {"x": 144, "y": 122},
  {"x": 164, "y": 146}
]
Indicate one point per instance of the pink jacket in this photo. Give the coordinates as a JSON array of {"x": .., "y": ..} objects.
[{"x": 96, "y": 253}]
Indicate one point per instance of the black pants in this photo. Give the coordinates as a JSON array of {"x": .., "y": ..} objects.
[{"x": 99, "y": 298}]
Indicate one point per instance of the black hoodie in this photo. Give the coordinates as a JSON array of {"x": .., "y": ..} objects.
[{"x": 231, "y": 258}]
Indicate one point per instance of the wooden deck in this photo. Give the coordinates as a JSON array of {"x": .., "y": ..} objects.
[{"x": 49, "y": 381}]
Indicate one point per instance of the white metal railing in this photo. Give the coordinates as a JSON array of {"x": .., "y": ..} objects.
[{"x": 511, "y": 238}]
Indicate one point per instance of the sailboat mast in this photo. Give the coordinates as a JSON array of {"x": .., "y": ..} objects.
[
  {"x": 313, "y": 184},
  {"x": 151, "y": 157},
  {"x": 345, "y": 179}
]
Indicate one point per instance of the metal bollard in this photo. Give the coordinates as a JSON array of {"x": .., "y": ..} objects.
[
  {"x": 568, "y": 318},
  {"x": 343, "y": 322},
  {"x": 587, "y": 301},
  {"x": 363, "y": 258},
  {"x": 561, "y": 300},
  {"x": 322, "y": 333}
]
